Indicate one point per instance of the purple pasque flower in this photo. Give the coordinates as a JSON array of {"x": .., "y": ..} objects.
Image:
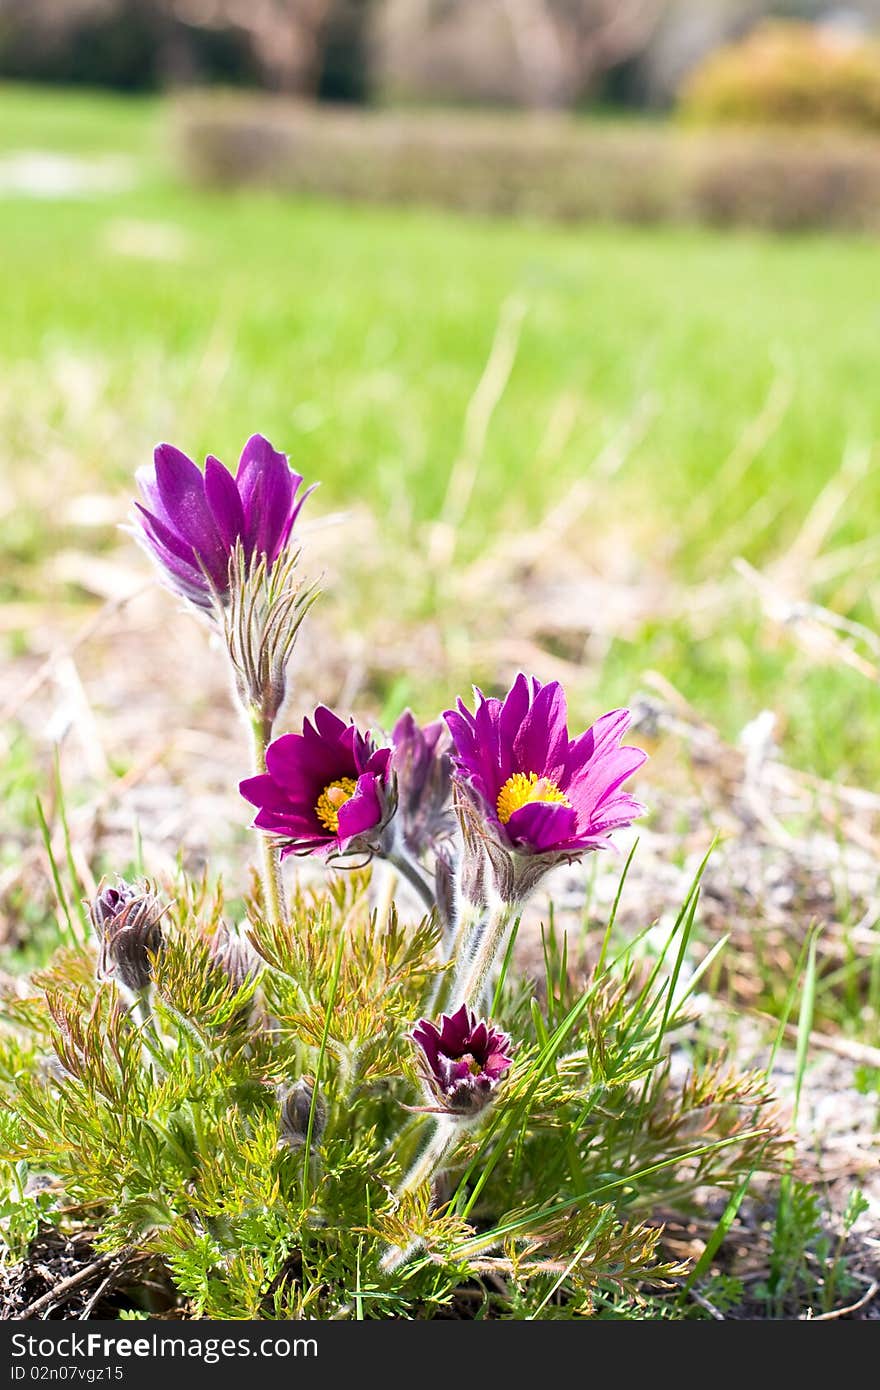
[
  {"x": 422, "y": 765},
  {"x": 538, "y": 791},
  {"x": 325, "y": 791},
  {"x": 193, "y": 522},
  {"x": 463, "y": 1059}
]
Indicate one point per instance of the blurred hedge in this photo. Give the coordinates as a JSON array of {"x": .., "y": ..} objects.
[
  {"x": 547, "y": 167},
  {"x": 789, "y": 74}
]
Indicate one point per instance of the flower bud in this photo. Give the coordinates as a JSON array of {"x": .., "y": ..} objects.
[
  {"x": 127, "y": 924},
  {"x": 422, "y": 765},
  {"x": 296, "y": 1106},
  {"x": 233, "y": 956}
]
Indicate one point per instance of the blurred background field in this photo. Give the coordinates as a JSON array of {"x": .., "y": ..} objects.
[
  {"x": 613, "y": 419},
  {"x": 713, "y": 395}
]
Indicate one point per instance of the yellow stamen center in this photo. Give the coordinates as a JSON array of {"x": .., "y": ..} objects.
[
  {"x": 334, "y": 795},
  {"x": 522, "y": 788}
]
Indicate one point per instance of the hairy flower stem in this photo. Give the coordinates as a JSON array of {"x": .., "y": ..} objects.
[
  {"x": 469, "y": 926},
  {"x": 142, "y": 1011},
  {"x": 273, "y": 886},
  {"x": 474, "y": 970},
  {"x": 459, "y": 948},
  {"x": 425, "y": 1167}
]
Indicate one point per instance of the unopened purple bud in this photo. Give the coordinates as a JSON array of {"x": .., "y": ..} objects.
[
  {"x": 296, "y": 1107},
  {"x": 109, "y": 902},
  {"x": 127, "y": 923},
  {"x": 234, "y": 956},
  {"x": 422, "y": 765},
  {"x": 463, "y": 1060}
]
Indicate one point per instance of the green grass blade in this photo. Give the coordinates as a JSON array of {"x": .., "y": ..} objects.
[
  {"x": 56, "y": 875},
  {"x": 505, "y": 966},
  {"x": 68, "y": 851},
  {"x": 778, "y": 1281},
  {"x": 600, "y": 963}
]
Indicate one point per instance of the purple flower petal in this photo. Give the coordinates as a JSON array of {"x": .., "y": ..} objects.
[
  {"x": 456, "y": 1030},
  {"x": 168, "y": 540},
  {"x": 182, "y": 489},
  {"x": 296, "y": 758},
  {"x": 224, "y": 501},
  {"x": 541, "y": 740},
  {"x": 593, "y": 783},
  {"x": 601, "y": 737},
  {"x": 427, "y": 1035},
  {"x": 361, "y": 813},
  {"x": 541, "y": 826},
  {"x": 266, "y": 487},
  {"x": 513, "y": 712},
  {"x": 379, "y": 762},
  {"x": 175, "y": 558},
  {"x": 256, "y": 789},
  {"x": 328, "y": 725}
]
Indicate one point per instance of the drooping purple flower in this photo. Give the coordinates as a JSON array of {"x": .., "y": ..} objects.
[
  {"x": 422, "y": 764},
  {"x": 192, "y": 521},
  {"x": 127, "y": 924},
  {"x": 325, "y": 791},
  {"x": 463, "y": 1060},
  {"x": 539, "y": 791}
]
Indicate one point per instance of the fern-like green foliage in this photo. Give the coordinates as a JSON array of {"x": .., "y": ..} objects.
[{"x": 159, "y": 1122}]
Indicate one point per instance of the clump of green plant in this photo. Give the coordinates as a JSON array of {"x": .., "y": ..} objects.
[{"x": 331, "y": 1103}]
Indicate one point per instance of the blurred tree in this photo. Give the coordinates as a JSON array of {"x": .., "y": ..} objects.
[
  {"x": 540, "y": 53},
  {"x": 565, "y": 46},
  {"x": 287, "y": 36},
  {"x": 346, "y": 71},
  {"x": 129, "y": 44},
  {"x": 286, "y": 45}
]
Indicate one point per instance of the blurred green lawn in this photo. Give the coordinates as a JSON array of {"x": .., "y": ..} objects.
[{"x": 354, "y": 338}]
